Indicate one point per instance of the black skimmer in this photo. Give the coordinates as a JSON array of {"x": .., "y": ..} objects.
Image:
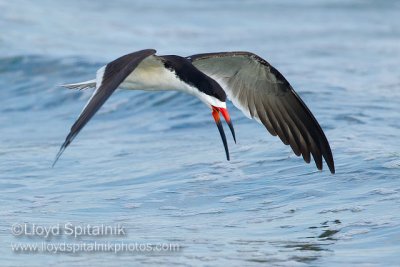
[{"x": 254, "y": 86}]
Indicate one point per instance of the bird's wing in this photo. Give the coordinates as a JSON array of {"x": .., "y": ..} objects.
[
  {"x": 109, "y": 78},
  {"x": 261, "y": 92}
]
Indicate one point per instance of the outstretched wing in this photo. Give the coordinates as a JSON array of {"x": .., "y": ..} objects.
[
  {"x": 110, "y": 77},
  {"x": 262, "y": 93}
]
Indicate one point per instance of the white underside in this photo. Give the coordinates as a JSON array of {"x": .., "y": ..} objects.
[{"x": 151, "y": 75}]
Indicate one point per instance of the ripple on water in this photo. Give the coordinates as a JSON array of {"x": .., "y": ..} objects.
[
  {"x": 230, "y": 199},
  {"x": 155, "y": 161}
]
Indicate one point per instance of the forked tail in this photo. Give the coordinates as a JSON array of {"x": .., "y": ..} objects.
[{"x": 80, "y": 86}]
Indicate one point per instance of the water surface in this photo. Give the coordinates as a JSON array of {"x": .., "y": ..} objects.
[{"x": 155, "y": 162}]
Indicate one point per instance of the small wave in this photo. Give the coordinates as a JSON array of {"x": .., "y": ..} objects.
[
  {"x": 230, "y": 199},
  {"x": 337, "y": 210}
]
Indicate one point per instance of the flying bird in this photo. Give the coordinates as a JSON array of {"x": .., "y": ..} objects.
[{"x": 254, "y": 86}]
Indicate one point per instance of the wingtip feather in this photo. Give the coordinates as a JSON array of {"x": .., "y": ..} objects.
[{"x": 62, "y": 148}]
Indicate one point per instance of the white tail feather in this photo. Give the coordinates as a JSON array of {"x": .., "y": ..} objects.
[{"x": 80, "y": 86}]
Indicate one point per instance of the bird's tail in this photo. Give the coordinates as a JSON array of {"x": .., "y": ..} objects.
[{"x": 80, "y": 86}]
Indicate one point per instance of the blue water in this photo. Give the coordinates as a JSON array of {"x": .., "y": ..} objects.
[{"x": 154, "y": 161}]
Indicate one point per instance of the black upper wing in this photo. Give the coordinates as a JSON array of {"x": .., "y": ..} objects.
[{"x": 115, "y": 73}]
